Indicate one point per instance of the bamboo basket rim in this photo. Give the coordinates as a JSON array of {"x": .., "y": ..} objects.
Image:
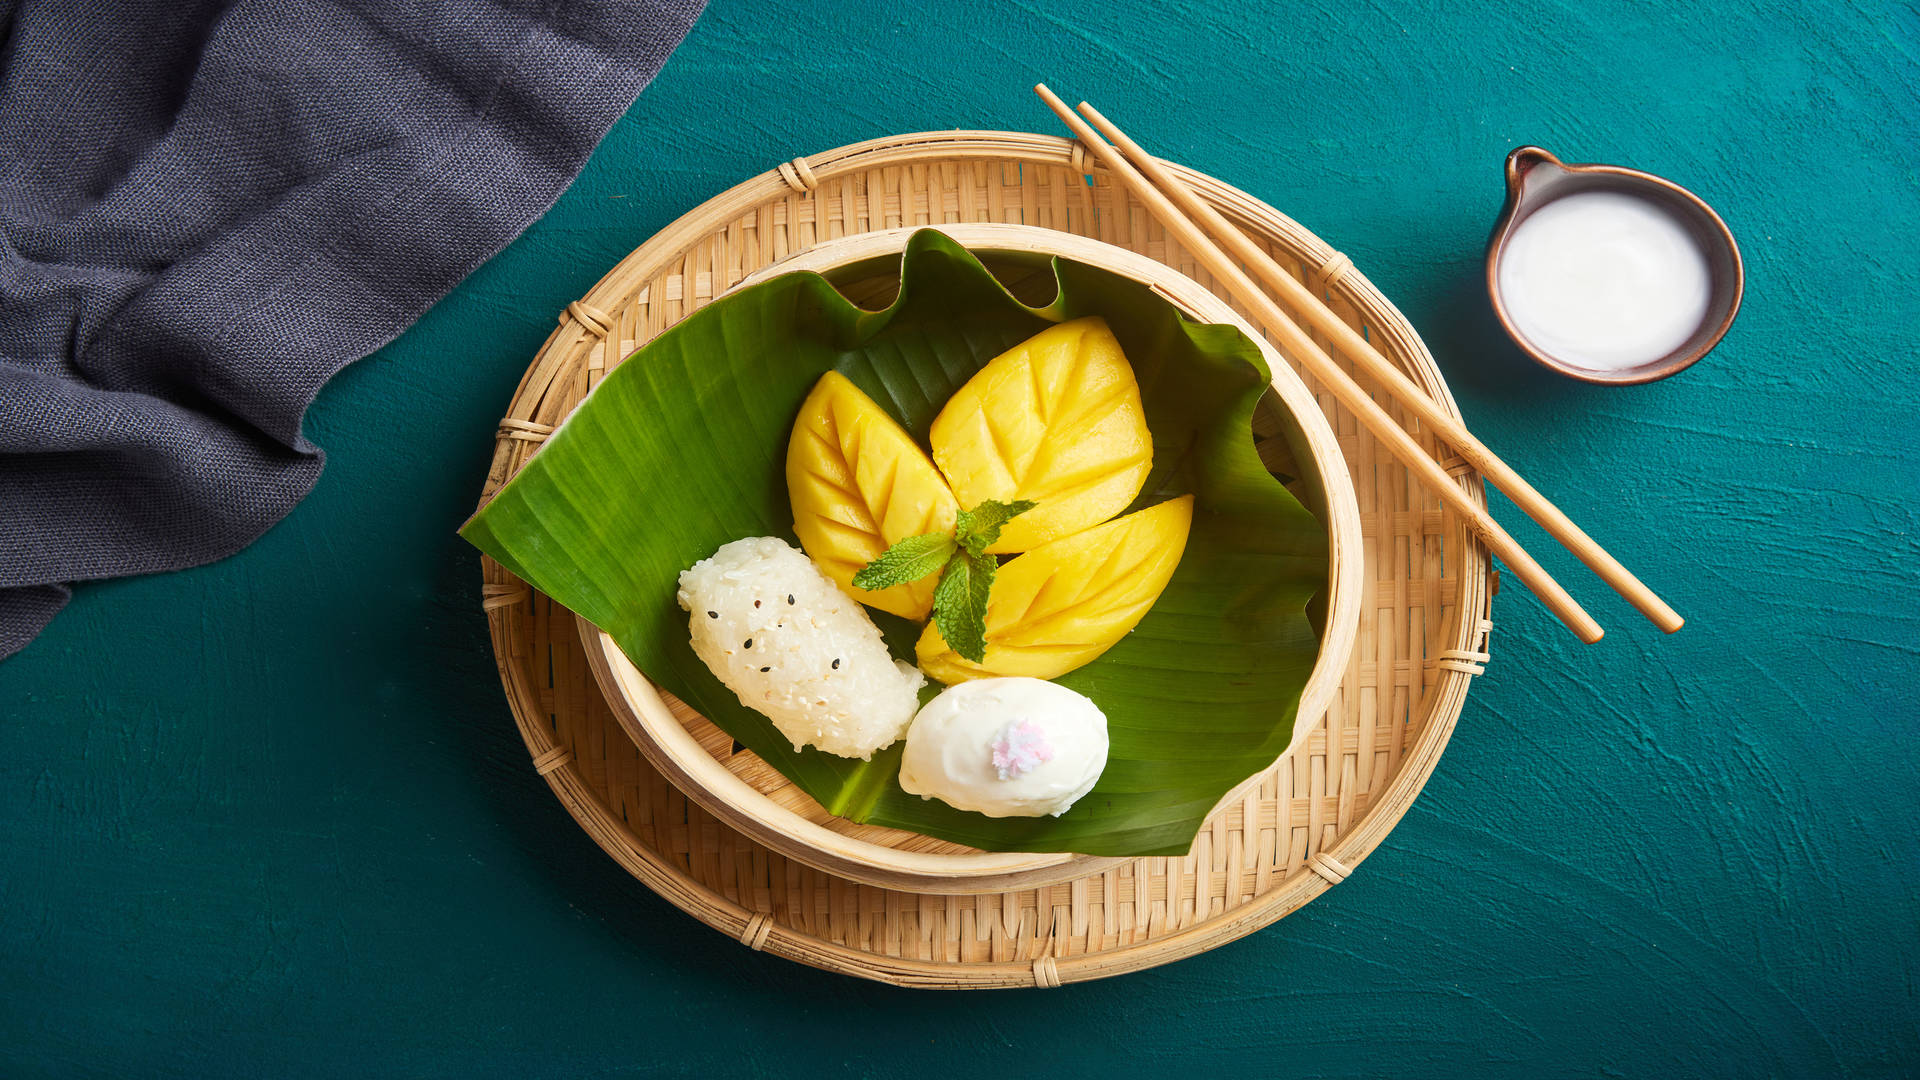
[
  {"x": 669, "y": 747},
  {"x": 1430, "y": 721}
]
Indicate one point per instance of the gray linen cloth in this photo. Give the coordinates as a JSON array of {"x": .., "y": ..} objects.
[{"x": 209, "y": 208}]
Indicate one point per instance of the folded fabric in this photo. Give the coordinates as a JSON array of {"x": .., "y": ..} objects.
[{"x": 209, "y": 208}]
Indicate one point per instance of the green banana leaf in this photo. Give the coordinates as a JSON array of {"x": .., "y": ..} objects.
[{"x": 681, "y": 449}]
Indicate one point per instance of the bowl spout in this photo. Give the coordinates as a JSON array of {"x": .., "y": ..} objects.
[{"x": 1522, "y": 163}]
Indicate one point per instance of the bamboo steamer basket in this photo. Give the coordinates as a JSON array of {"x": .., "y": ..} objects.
[
  {"x": 1294, "y": 832},
  {"x": 740, "y": 789}
]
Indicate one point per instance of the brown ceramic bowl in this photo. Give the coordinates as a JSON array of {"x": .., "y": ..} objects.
[{"x": 1536, "y": 178}]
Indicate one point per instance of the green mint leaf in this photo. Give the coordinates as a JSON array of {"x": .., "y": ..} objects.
[
  {"x": 979, "y": 527},
  {"x": 909, "y": 560},
  {"x": 960, "y": 603}
]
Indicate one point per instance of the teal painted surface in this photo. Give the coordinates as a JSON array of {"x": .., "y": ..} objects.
[{"x": 270, "y": 817}]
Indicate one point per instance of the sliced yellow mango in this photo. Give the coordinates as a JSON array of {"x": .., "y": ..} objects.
[
  {"x": 1055, "y": 419},
  {"x": 859, "y": 484},
  {"x": 1064, "y": 603}
]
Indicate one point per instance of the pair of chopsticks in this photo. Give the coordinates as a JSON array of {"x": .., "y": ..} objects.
[{"x": 1177, "y": 207}]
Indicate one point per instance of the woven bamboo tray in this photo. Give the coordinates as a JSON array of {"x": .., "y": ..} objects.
[{"x": 1299, "y": 831}]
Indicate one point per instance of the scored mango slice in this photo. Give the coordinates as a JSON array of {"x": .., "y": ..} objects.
[
  {"x": 1056, "y": 419},
  {"x": 1064, "y": 603},
  {"x": 859, "y": 484}
]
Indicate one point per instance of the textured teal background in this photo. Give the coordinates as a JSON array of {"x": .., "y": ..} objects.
[{"x": 271, "y": 818}]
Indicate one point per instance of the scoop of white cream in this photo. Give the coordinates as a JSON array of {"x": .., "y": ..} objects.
[
  {"x": 1014, "y": 747},
  {"x": 1604, "y": 280}
]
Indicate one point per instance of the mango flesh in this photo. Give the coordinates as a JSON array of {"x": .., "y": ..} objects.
[
  {"x": 859, "y": 484},
  {"x": 1062, "y": 604},
  {"x": 1056, "y": 419}
]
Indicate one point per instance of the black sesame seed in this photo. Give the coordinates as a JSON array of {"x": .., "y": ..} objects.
[
  {"x": 789, "y": 599},
  {"x": 748, "y": 645},
  {"x": 766, "y": 669},
  {"x": 836, "y": 664},
  {"x": 713, "y": 614}
]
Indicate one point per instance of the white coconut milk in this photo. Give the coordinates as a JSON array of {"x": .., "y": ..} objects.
[{"x": 1604, "y": 280}]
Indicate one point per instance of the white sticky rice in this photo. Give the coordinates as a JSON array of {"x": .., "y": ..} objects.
[{"x": 796, "y": 649}]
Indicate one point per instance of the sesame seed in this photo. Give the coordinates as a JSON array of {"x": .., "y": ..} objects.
[
  {"x": 713, "y": 614},
  {"x": 789, "y": 599},
  {"x": 748, "y": 645},
  {"x": 766, "y": 669},
  {"x": 756, "y": 603},
  {"x": 836, "y": 663}
]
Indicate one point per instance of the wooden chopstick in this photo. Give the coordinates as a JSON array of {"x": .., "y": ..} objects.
[
  {"x": 1448, "y": 427},
  {"x": 1302, "y": 347}
]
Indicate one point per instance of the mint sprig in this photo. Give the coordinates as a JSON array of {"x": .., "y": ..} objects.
[
  {"x": 909, "y": 560},
  {"x": 978, "y": 528},
  {"x": 966, "y": 572},
  {"x": 960, "y": 603}
]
